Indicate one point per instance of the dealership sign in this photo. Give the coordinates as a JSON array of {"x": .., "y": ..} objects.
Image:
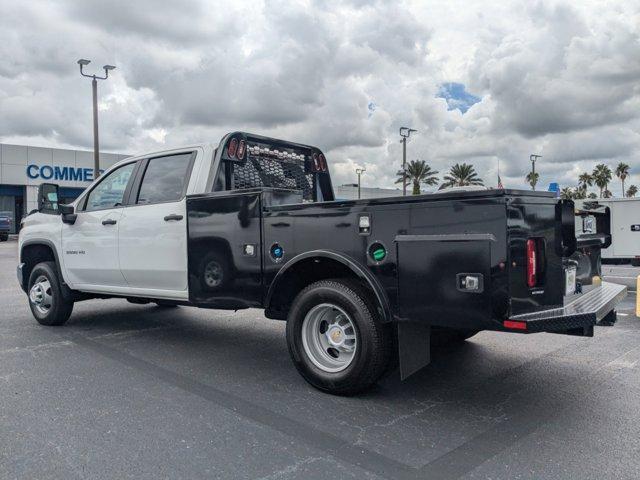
[{"x": 69, "y": 174}]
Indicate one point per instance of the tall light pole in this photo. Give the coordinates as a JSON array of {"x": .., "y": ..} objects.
[
  {"x": 359, "y": 171},
  {"x": 94, "y": 85},
  {"x": 533, "y": 159},
  {"x": 405, "y": 132}
]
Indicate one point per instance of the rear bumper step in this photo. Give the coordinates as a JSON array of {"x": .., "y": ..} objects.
[{"x": 583, "y": 312}]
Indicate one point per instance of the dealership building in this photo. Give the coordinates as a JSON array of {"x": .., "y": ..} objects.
[{"x": 23, "y": 168}]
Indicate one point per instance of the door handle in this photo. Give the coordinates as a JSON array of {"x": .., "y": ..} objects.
[
  {"x": 173, "y": 216},
  {"x": 109, "y": 221}
]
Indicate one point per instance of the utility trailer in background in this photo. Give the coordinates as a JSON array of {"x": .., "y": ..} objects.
[{"x": 625, "y": 228}]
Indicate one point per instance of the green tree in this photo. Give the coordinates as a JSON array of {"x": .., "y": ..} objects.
[
  {"x": 461, "y": 175},
  {"x": 632, "y": 191},
  {"x": 592, "y": 196},
  {"x": 567, "y": 193},
  {"x": 418, "y": 172},
  {"x": 585, "y": 180},
  {"x": 601, "y": 177},
  {"x": 532, "y": 179},
  {"x": 622, "y": 172}
]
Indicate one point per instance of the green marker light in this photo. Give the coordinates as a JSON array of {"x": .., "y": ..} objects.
[{"x": 379, "y": 254}]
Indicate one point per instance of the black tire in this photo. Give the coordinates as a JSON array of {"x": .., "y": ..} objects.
[
  {"x": 211, "y": 260},
  {"x": 374, "y": 340},
  {"x": 60, "y": 309},
  {"x": 441, "y": 336},
  {"x": 4, "y": 237},
  {"x": 635, "y": 262}
]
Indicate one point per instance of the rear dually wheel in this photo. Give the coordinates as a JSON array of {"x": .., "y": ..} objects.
[{"x": 336, "y": 338}]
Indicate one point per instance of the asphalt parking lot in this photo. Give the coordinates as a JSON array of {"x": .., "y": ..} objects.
[{"x": 135, "y": 391}]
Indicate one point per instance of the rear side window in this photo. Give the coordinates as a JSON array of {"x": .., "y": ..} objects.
[{"x": 165, "y": 179}]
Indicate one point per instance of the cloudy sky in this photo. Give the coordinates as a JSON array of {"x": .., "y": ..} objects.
[{"x": 484, "y": 84}]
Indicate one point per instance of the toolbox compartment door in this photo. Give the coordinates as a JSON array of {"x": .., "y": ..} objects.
[
  {"x": 436, "y": 279},
  {"x": 224, "y": 249}
]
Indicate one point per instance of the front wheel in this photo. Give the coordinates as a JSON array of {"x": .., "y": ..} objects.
[
  {"x": 47, "y": 304},
  {"x": 336, "y": 338},
  {"x": 4, "y": 237}
]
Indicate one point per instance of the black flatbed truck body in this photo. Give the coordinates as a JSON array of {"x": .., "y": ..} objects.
[
  {"x": 429, "y": 240},
  {"x": 457, "y": 260}
]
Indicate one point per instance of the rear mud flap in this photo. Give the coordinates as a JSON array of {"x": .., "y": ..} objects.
[{"x": 414, "y": 347}]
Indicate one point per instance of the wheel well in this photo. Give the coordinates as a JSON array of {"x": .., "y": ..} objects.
[
  {"x": 32, "y": 255},
  {"x": 299, "y": 276},
  {"x": 206, "y": 245}
]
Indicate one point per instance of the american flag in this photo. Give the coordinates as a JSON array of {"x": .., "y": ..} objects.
[{"x": 500, "y": 183}]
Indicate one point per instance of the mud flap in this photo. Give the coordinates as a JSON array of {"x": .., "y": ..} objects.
[{"x": 414, "y": 347}]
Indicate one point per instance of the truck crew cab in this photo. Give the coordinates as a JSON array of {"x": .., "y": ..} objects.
[{"x": 253, "y": 223}]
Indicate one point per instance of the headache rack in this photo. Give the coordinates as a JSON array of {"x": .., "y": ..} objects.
[
  {"x": 253, "y": 161},
  {"x": 261, "y": 170}
]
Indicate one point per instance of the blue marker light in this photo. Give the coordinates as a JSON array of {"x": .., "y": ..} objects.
[{"x": 277, "y": 252}]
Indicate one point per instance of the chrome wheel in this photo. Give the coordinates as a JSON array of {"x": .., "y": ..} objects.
[
  {"x": 329, "y": 337},
  {"x": 213, "y": 274},
  {"x": 40, "y": 295}
]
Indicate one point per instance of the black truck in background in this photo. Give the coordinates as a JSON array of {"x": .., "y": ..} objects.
[{"x": 363, "y": 284}]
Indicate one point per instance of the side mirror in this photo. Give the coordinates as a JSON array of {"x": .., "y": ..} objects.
[
  {"x": 67, "y": 213},
  {"x": 48, "y": 198}
]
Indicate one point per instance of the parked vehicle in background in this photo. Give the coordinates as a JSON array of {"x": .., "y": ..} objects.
[
  {"x": 625, "y": 228},
  {"x": 362, "y": 284},
  {"x": 6, "y": 218}
]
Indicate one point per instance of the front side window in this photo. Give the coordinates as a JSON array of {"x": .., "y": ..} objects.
[
  {"x": 109, "y": 193},
  {"x": 165, "y": 179}
]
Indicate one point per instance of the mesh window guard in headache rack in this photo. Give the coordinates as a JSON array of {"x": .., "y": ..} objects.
[{"x": 261, "y": 171}]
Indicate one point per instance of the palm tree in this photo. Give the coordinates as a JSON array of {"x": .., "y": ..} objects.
[
  {"x": 632, "y": 191},
  {"x": 418, "y": 172},
  {"x": 584, "y": 182},
  {"x": 532, "y": 179},
  {"x": 567, "y": 193},
  {"x": 461, "y": 175},
  {"x": 601, "y": 177},
  {"x": 592, "y": 196},
  {"x": 622, "y": 172}
]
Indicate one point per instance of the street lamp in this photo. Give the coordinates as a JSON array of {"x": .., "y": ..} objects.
[
  {"x": 533, "y": 159},
  {"x": 94, "y": 85},
  {"x": 405, "y": 132},
  {"x": 359, "y": 171}
]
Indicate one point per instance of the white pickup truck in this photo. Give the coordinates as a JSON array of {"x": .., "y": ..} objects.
[{"x": 253, "y": 222}]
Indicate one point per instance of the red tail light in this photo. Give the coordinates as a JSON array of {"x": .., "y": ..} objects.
[
  {"x": 316, "y": 162},
  {"x": 532, "y": 270},
  {"x": 233, "y": 147},
  {"x": 241, "y": 150},
  {"x": 515, "y": 325}
]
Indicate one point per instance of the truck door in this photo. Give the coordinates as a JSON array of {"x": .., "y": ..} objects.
[
  {"x": 152, "y": 236},
  {"x": 90, "y": 245}
]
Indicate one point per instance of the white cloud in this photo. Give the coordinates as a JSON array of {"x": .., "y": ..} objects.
[{"x": 555, "y": 77}]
